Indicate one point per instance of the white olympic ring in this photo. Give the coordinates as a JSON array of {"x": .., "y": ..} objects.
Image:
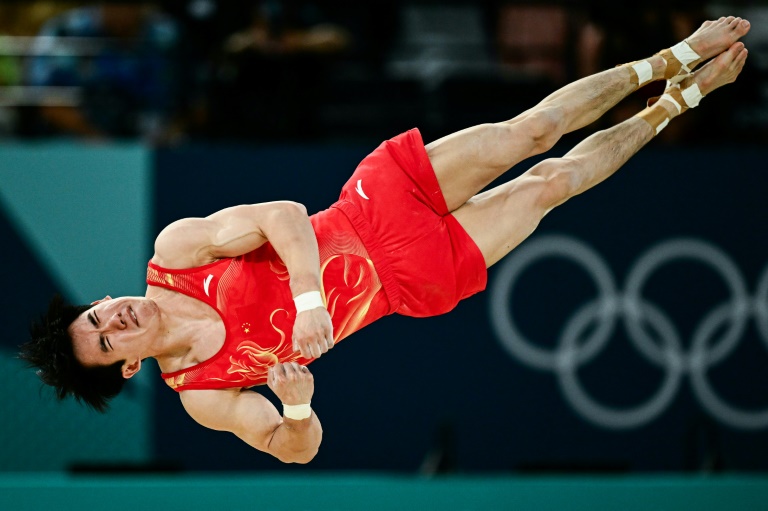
[{"x": 574, "y": 349}]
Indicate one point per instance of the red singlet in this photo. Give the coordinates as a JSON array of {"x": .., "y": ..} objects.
[{"x": 388, "y": 245}]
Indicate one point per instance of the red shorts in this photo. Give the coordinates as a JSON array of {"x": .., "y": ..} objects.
[{"x": 425, "y": 259}]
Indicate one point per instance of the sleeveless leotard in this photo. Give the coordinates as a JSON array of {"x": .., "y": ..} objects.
[
  {"x": 251, "y": 293},
  {"x": 388, "y": 245}
]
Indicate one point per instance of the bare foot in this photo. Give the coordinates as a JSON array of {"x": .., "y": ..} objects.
[
  {"x": 711, "y": 39},
  {"x": 714, "y": 37},
  {"x": 722, "y": 70}
]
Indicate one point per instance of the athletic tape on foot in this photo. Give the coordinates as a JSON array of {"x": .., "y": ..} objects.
[
  {"x": 692, "y": 95},
  {"x": 656, "y": 116},
  {"x": 644, "y": 71},
  {"x": 673, "y": 101},
  {"x": 685, "y": 54},
  {"x": 662, "y": 125},
  {"x": 678, "y": 61}
]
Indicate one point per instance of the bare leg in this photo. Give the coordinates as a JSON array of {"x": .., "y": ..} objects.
[
  {"x": 501, "y": 218},
  {"x": 467, "y": 161}
]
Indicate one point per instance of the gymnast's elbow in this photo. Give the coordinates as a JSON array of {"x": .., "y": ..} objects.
[
  {"x": 299, "y": 445},
  {"x": 300, "y": 457}
]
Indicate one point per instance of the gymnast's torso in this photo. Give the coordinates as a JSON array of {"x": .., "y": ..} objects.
[{"x": 252, "y": 297}]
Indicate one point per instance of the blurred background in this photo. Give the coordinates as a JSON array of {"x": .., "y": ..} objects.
[{"x": 618, "y": 358}]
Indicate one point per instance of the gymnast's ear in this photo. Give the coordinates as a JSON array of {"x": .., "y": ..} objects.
[
  {"x": 102, "y": 300},
  {"x": 130, "y": 369}
]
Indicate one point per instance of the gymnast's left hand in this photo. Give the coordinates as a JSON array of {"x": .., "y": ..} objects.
[{"x": 313, "y": 333}]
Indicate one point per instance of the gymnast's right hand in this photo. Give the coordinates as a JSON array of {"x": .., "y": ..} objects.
[
  {"x": 292, "y": 383},
  {"x": 313, "y": 332}
]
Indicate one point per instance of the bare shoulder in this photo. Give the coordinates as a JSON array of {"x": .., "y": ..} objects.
[
  {"x": 184, "y": 244},
  {"x": 229, "y": 232}
]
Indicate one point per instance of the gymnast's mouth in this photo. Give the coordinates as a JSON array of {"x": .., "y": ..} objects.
[{"x": 133, "y": 315}]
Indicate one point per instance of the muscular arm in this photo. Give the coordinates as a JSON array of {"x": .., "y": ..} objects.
[
  {"x": 256, "y": 421},
  {"x": 252, "y": 417},
  {"x": 238, "y": 230}
]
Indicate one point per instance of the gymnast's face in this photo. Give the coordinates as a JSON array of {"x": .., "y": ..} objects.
[{"x": 114, "y": 330}]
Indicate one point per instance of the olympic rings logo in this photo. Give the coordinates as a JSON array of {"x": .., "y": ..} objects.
[{"x": 575, "y": 349}]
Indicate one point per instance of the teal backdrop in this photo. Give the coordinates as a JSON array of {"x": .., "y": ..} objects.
[{"x": 75, "y": 220}]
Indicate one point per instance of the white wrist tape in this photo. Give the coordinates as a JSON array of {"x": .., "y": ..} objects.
[
  {"x": 308, "y": 301},
  {"x": 297, "y": 412}
]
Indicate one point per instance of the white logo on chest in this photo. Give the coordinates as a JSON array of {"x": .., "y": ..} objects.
[{"x": 206, "y": 283}]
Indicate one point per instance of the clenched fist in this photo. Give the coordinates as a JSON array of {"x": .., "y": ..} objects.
[{"x": 292, "y": 383}]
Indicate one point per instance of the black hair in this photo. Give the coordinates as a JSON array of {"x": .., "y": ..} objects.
[{"x": 50, "y": 350}]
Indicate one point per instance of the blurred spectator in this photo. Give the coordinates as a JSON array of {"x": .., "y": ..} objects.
[
  {"x": 203, "y": 25},
  {"x": 270, "y": 74},
  {"x": 10, "y": 72},
  {"x": 536, "y": 39},
  {"x": 127, "y": 79},
  {"x": 18, "y": 20},
  {"x": 284, "y": 28},
  {"x": 436, "y": 41},
  {"x": 10, "y": 65}
]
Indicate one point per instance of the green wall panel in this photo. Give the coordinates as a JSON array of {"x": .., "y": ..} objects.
[{"x": 85, "y": 213}]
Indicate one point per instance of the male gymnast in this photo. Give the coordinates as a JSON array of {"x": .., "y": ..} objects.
[{"x": 251, "y": 294}]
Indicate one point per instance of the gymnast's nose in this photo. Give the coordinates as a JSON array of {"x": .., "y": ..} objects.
[{"x": 117, "y": 321}]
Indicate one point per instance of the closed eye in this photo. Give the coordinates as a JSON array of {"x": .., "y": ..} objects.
[{"x": 103, "y": 341}]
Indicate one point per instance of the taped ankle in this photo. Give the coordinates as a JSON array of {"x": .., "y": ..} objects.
[
  {"x": 657, "y": 116},
  {"x": 681, "y": 59},
  {"x": 640, "y": 72}
]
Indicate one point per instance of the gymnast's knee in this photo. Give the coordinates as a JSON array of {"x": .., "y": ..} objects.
[
  {"x": 558, "y": 179},
  {"x": 545, "y": 126}
]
